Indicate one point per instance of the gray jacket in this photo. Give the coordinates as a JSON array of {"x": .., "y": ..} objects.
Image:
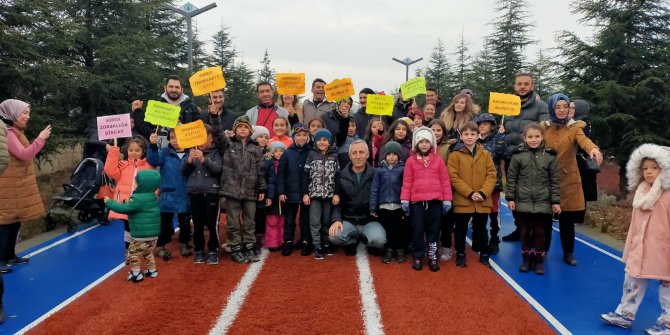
[
  {"x": 533, "y": 110},
  {"x": 252, "y": 113},
  {"x": 4, "y": 152},
  {"x": 311, "y": 111}
]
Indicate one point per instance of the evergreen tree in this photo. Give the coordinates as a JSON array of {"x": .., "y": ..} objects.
[
  {"x": 266, "y": 73},
  {"x": 480, "y": 78},
  {"x": 438, "y": 72},
  {"x": 224, "y": 52},
  {"x": 463, "y": 63},
  {"x": 508, "y": 42},
  {"x": 240, "y": 88},
  {"x": 544, "y": 75},
  {"x": 624, "y": 72}
]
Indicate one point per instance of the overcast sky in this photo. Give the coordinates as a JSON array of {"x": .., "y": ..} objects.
[{"x": 343, "y": 38}]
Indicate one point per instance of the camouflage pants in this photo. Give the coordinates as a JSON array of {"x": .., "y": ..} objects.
[{"x": 139, "y": 249}]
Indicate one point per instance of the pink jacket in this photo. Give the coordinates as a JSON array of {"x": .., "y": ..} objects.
[
  {"x": 647, "y": 250},
  {"x": 123, "y": 173},
  {"x": 422, "y": 183}
]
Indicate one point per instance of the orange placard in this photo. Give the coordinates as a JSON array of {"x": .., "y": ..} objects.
[
  {"x": 191, "y": 134},
  {"x": 339, "y": 89},
  {"x": 290, "y": 83}
]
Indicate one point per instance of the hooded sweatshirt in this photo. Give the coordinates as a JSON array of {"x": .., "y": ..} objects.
[{"x": 142, "y": 208}]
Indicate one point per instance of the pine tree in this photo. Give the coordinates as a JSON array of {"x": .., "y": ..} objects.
[
  {"x": 224, "y": 52},
  {"x": 266, "y": 73},
  {"x": 481, "y": 76},
  {"x": 544, "y": 74},
  {"x": 438, "y": 72},
  {"x": 508, "y": 42},
  {"x": 624, "y": 72},
  {"x": 463, "y": 63},
  {"x": 240, "y": 88}
]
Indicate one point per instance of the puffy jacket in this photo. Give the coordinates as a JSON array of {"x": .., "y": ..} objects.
[
  {"x": 532, "y": 110},
  {"x": 203, "y": 177},
  {"x": 533, "y": 179},
  {"x": 4, "y": 153},
  {"x": 189, "y": 113},
  {"x": 386, "y": 185},
  {"x": 290, "y": 172},
  {"x": 320, "y": 174},
  {"x": 469, "y": 174},
  {"x": 400, "y": 109},
  {"x": 354, "y": 204},
  {"x": 405, "y": 150},
  {"x": 313, "y": 111},
  {"x": 123, "y": 173},
  {"x": 142, "y": 208},
  {"x": 174, "y": 192},
  {"x": 425, "y": 183},
  {"x": 271, "y": 169},
  {"x": 242, "y": 174},
  {"x": 495, "y": 144},
  {"x": 337, "y": 125}
]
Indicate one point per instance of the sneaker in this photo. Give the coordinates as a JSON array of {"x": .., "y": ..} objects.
[
  {"x": 616, "y": 320},
  {"x": 185, "y": 249},
  {"x": 388, "y": 256},
  {"x": 18, "y": 260},
  {"x": 213, "y": 258},
  {"x": 306, "y": 250},
  {"x": 163, "y": 253},
  {"x": 433, "y": 265},
  {"x": 318, "y": 254},
  {"x": 287, "y": 248},
  {"x": 350, "y": 250},
  {"x": 5, "y": 268},
  {"x": 238, "y": 255},
  {"x": 150, "y": 273},
  {"x": 661, "y": 328},
  {"x": 446, "y": 254},
  {"x": 417, "y": 264},
  {"x": 494, "y": 248},
  {"x": 569, "y": 259},
  {"x": 460, "y": 260},
  {"x": 199, "y": 257},
  {"x": 400, "y": 256},
  {"x": 135, "y": 278},
  {"x": 484, "y": 259},
  {"x": 513, "y": 236},
  {"x": 327, "y": 250},
  {"x": 251, "y": 254}
]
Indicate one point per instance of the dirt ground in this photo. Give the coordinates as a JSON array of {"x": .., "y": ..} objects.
[{"x": 608, "y": 214}]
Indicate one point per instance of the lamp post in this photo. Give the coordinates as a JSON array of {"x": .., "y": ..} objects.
[
  {"x": 188, "y": 10},
  {"x": 407, "y": 62}
]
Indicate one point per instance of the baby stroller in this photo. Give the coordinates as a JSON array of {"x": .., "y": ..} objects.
[{"x": 81, "y": 193}]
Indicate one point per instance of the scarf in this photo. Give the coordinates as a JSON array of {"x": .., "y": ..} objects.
[
  {"x": 646, "y": 196},
  {"x": 424, "y": 160},
  {"x": 11, "y": 109}
]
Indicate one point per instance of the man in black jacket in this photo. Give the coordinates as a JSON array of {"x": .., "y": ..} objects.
[
  {"x": 351, "y": 219},
  {"x": 217, "y": 104}
]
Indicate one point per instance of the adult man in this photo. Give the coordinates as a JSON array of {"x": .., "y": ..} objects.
[
  {"x": 433, "y": 98},
  {"x": 174, "y": 95},
  {"x": 267, "y": 110},
  {"x": 217, "y": 105},
  {"x": 351, "y": 219},
  {"x": 362, "y": 117},
  {"x": 316, "y": 106},
  {"x": 532, "y": 110}
]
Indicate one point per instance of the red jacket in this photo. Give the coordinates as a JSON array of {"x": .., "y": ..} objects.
[
  {"x": 421, "y": 183},
  {"x": 123, "y": 172}
]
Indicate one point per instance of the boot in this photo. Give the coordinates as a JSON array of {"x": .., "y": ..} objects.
[
  {"x": 484, "y": 259},
  {"x": 259, "y": 242},
  {"x": 513, "y": 236},
  {"x": 525, "y": 266},
  {"x": 493, "y": 244},
  {"x": 400, "y": 256},
  {"x": 539, "y": 263},
  {"x": 287, "y": 248},
  {"x": 388, "y": 256},
  {"x": 460, "y": 260},
  {"x": 185, "y": 249},
  {"x": 238, "y": 254},
  {"x": 306, "y": 249},
  {"x": 433, "y": 263},
  {"x": 417, "y": 264},
  {"x": 251, "y": 253},
  {"x": 569, "y": 259}
]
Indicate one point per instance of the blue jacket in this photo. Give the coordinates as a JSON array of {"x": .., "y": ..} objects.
[
  {"x": 291, "y": 170},
  {"x": 386, "y": 185},
  {"x": 174, "y": 190},
  {"x": 495, "y": 144},
  {"x": 271, "y": 181}
]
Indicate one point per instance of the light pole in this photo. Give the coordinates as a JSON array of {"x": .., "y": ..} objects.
[
  {"x": 189, "y": 11},
  {"x": 407, "y": 62}
]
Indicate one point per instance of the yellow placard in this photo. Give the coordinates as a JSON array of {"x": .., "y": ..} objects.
[
  {"x": 504, "y": 104},
  {"x": 339, "y": 89},
  {"x": 379, "y": 104},
  {"x": 162, "y": 114},
  {"x": 191, "y": 134},
  {"x": 290, "y": 83},
  {"x": 413, "y": 87},
  {"x": 207, "y": 80}
]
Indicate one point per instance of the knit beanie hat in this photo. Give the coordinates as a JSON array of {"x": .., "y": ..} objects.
[
  {"x": 413, "y": 112},
  {"x": 277, "y": 145},
  {"x": 323, "y": 133},
  {"x": 257, "y": 131},
  {"x": 423, "y": 133},
  {"x": 243, "y": 120},
  {"x": 392, "y": 147}
]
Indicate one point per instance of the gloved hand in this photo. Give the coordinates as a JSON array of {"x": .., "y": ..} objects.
[
  {"x": 446, "y": 206},
  {"x": 405, "y": 206}
]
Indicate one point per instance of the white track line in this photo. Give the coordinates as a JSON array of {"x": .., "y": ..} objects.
[
  {"x": 236, "y": 298},
  {"x": 595, "y": 247},
  {"x": 372, "y": 318},
  {"x": 47, "y": 247},
  {"x": 538, "y": 307},
  {"x": 70, "y": 299}
]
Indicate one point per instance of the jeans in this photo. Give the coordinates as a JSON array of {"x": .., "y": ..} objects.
[
  {"x": 319, "y": 219},
  {"x": 372, "y": 232}
]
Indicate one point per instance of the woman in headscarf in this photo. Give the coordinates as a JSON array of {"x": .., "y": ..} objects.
[
  {"x": 19, "y": 196},
  {"x": 565, "y": 136}
]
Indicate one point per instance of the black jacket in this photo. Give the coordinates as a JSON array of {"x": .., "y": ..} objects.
[
  {"x": 227, "y": 117},
  {"x": 204, "y": 177},
  {"x": 354, "y": 204},
  {"x": 363, "y": 119},
  {"x": 290, "y": 172},
  {"x": 189, "y": 113}
]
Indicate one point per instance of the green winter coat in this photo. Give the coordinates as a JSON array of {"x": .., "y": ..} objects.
[
  {"x": 144, "y": 214},
  {"x": 4, "y": 152},
  {"x": 533, "y": 179}
]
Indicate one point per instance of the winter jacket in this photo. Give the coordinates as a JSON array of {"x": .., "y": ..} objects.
[
  {"x": 20, "y": 198},
  {"x": 386, "y": 185},
  {"x": 290, "y": 173},
  {"x": 320, "y": 174},
  {"x": 242, "y": 175},
  {"x": 123, "y": 173},
  {"x": 532, "y": 110},
  {"x": 337, "y": 125},
  {"x": 469, "y": 174},
  {"x": 400, "y": 109},
  {"x": 271, "y": 170},
  {"x": 495, "y": 144},
  {"x": 533, "y": 179},
  {"x": 174, "y": 192},
  {"x": 312, "y": 111},
  {"x": 4, "y": 153},
  {"x": 227, "y": 117},
  {"x": 565, "y": 140},
  {"x": 354, "y": 204},
  {"x": 189, "y": 113},
  {"x": 405, "y": 151},
  {"x": 203, "y": 177},
  {"x": 425, "y": 183},
  {"x": 252, "y": 113},
  {"x": 363, "y": 119},
  {"x": 142, "y": 208}
]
